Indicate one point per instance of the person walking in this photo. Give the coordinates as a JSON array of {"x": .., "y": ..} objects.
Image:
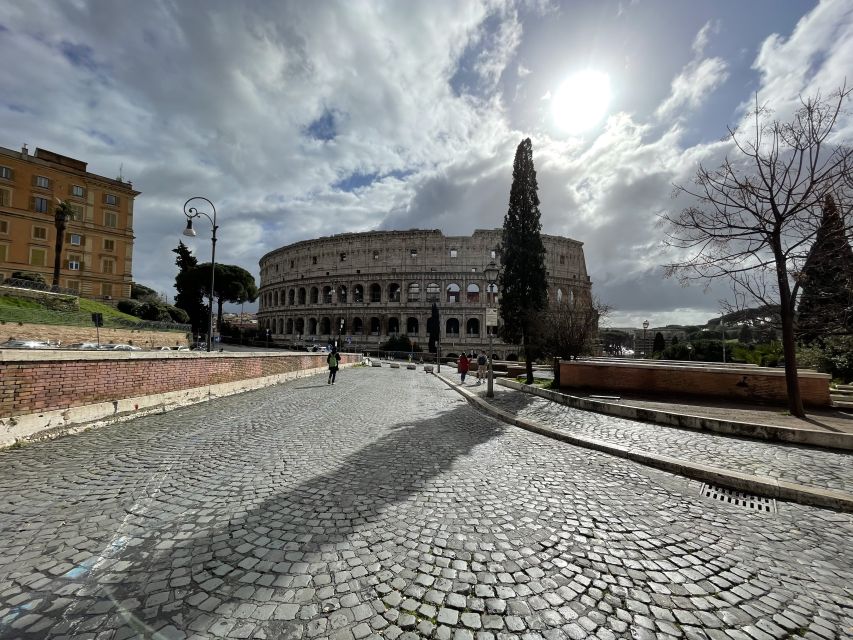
[
  {"x": 462, "y": 367},
  {"x": 334, "y": 360},
  {"x": 482, "y": 361}
]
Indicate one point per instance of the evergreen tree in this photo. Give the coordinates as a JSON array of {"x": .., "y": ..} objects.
[
  {"x": 189, "y": 293},
  {"x": 826, "y": 304},
  {"x": 523, "y": 288},
  {"x": 659, "y": 344},
  {"x": 745, "y": 334},
  {"x": 674, "y": 341}
]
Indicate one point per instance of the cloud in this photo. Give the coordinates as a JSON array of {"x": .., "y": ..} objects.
[{"x": 693, "y": 85}]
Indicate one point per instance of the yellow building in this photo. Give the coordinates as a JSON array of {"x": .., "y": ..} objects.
[{"x": 97, "y": 253}]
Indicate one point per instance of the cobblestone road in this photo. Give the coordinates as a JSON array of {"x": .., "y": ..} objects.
[
  {"x": 806, "y": 465},
  {"x": 385, "y": 507}
]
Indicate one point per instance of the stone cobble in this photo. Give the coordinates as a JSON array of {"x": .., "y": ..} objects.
[
  {"x": 804, "y": 465},
  {"x": 386, "y": 507}
]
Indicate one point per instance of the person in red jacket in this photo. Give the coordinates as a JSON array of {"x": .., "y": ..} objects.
[{"x": 462, "y": 367}]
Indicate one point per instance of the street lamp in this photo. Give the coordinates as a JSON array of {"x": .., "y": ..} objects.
[
  {"x": 490, "y": 273},
  {"x": 645, "y": 326},
  {"x": 190, "y": 213},
  {"x": 340, "y": 334}
]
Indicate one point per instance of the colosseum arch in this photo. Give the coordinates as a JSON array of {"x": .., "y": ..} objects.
[
  {"x": 300, "y": 326},
  {"x": 432, "y": 291},
  {"x": 357, "y": 326},
  {"x": 411, "y": 326},
  {"x": 375, "y": 326},
  {"x": 315, "y": 295},
  {"x": 559, "y": 296},
  {"x": 358, "y": 293},
  {"x": 451, "y": 327},
  {"x": 289, "y": 326},
  {"x": 453, "y": 292},
  {"x": 414, "y": 292},
  {"x": 375, "y": 292},
  {"x": 394, "y": 292},
  {"x": 342, "y": 294},
  {"x": 393, "y": 325},
  {"x": 302, "y": 295},
  {"x": 472, "y": 327},
  {"x": 472, "y": 295},
  {"x": 312, "y": 326},
  {"x": 325, "y": 326},
  {"x": 327, "y": 295}
]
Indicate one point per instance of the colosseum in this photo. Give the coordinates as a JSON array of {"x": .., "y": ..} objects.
[{"x": 360, "y": 289}]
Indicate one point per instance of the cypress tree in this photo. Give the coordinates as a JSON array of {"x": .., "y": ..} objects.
[
  {"x": 659, "y": 344},
  {"x": 826, "y": 305},
  {"x": 523, "y": 288}
]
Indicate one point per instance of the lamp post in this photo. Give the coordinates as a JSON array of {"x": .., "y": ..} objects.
[
  {"x": 645, "y": 326},
  {"x": 190, "y": 213},
  {"x": 723, "y": 330},
  {"x": 491, "y": 273},
  {"x": 340, "y": 334}
]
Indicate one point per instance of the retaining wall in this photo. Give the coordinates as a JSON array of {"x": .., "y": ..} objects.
[
  {"x": 753, "y": 384},
  {"x": 57, "y": 390}
]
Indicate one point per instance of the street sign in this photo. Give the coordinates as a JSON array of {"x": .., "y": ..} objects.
[
  {"x": 491, "y": 317},
  {"x": 349, "y": 339}
]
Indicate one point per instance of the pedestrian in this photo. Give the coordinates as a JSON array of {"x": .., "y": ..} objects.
[
  {"x": 462, "y": 367},
  {"x": 482, "y": 361},
  {"x": 334, "y": 360}
]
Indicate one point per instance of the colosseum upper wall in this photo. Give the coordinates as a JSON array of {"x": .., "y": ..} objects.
[{"x": 366, "y": 287}]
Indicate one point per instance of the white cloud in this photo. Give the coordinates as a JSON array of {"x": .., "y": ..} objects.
[{"x": 692, "y": 86}]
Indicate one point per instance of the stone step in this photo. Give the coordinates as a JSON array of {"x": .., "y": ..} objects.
[
  {"x": 842, "y": 404},
  {"x": 841, "y": 392},
  {"x": 844, "y": 387}
]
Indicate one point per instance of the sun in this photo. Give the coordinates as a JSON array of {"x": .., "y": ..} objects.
[{"x": 581, "y": 101}]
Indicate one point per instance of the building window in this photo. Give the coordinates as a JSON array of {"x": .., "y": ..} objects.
[
  {"x": 453, "y": 253},
  {"x": 37, "y": 257},
  {"x": 78, "y": 191},
  {"x": 76, "y": 239},
  {"x": 4, "y": 227},
  {"x": 109, "y": 245},
  {"x": 76, "y": 211},
  {"x": 292, "y": 263},
  {"x": 39, "y": 233},
  {"x": 313, "y": 259},
  {"x": 40, "y": 204},
  {"x": 562, "y": 259},
  {"x": 106, "y": 289},
  {"x": 5, "y": 198},
  {"x": 343, "y": 257},
  {"x": 6, "y": 173},
  {"x": 414, "y": 253},
  {"x": 376, "y": 255},
  {"x": 111, "y": 199},
  {"x": 74, "y": 285},
  {"x": 108, "y": 266},
  {"x": 493, "y": 254},
  {"x": 42, "y": 182},
  {"x": 110, "y": 219},
  {"x": 74, "y": 262}
]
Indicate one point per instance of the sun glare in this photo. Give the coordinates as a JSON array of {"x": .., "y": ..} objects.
[{"x": 581, "y": 101}]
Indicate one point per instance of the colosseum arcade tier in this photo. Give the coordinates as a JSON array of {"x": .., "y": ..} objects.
[{"x": 361, "y": 289}]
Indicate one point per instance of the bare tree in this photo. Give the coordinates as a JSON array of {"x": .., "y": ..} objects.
[{"x": 757, "y": 214}]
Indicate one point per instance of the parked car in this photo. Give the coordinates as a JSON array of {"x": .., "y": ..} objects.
[
  {"x": 27, "y": 344},
  {"x": 84, "y": 346},
  {"x": 120, "y": 347}
]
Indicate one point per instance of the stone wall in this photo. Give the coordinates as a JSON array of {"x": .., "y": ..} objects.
[
  {"x": 51, "y": 393},
  {"x": 750, "y": 384},
  {"x": 69, "y": 335},
  {"x": 53, "y": 301}
]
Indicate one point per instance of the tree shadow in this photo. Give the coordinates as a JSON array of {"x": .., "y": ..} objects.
[{"x": 310, "y": 542}]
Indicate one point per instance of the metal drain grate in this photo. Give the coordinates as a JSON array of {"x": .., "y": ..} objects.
[{"x": 738, "y": 498}]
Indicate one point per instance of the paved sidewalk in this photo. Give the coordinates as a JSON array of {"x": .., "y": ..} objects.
[{"x": 807, "y": 466}]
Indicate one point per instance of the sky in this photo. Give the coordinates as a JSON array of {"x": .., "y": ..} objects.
[{"x": 306, "y": 119}]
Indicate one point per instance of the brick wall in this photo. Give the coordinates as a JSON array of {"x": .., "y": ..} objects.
[
  {"x": 44, "y": 382},
  {"x": 754, "y": 384},
  {"x": 69, "y": 335}
]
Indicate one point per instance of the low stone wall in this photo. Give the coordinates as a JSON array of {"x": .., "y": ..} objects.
[
  {"x": 53, "y": 301},
  {"x": 69, "y": 335},
  {"x": 753, "y": 384},
  {"x": 56, "y": 390}
]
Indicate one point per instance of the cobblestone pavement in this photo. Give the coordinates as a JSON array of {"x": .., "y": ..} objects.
[
  {"x": 386, "y": 507},
  {"x": 806, "y": 465}
]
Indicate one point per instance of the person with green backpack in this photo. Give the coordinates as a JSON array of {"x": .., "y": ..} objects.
[{"x": 334, "y": 360}]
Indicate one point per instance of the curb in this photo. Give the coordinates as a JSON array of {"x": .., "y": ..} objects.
[
  {"x": 727, "y": 478},
  {"x": 811, "y": 437}
]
